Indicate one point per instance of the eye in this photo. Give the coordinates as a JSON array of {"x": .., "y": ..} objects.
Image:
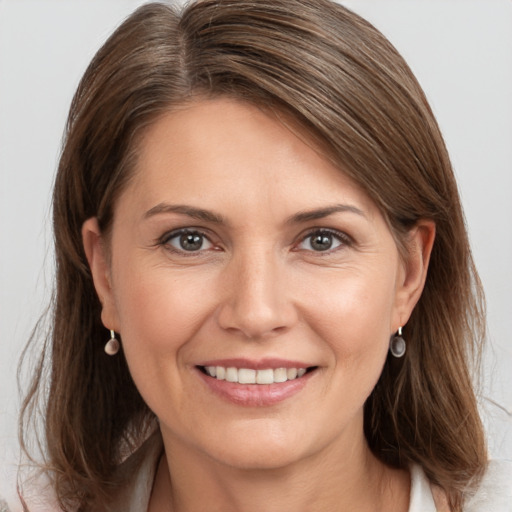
[
  {"x": 188, "y": 241},
  {"x": 323, "y": 240}
]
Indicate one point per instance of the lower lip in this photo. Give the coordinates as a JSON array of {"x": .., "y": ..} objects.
[{"x": 255, "y": 395}]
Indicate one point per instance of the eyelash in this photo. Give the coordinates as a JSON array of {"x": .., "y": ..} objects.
[
  {"x": 165, "y": 241},
  {"x": 343, "y": 239}
]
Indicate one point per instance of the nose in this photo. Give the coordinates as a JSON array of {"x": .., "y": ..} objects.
[{"x": 256, "y": 302}]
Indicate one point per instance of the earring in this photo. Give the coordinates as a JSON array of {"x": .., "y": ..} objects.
[
  {"x": 397, "y": 344},
  {"x": 112, "y": 345}
]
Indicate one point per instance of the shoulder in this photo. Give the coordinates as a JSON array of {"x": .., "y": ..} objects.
[
  {"x": 495, "y": 490},
  {"x": 493, "y": 494},
  {"x": 133, "y": 477},
  {"x": 3, "y": 505},
  {"x": 137, "y": 473}
]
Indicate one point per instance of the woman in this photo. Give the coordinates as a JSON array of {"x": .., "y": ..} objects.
[{"x": 255, "y": 201}]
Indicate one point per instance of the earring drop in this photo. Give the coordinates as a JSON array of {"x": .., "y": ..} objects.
[
  {"x": 112, "y": 345},
  {"x": 397, "y": 344}
]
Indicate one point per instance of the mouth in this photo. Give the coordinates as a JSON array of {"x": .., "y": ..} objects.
[
  {"x": 262, "y": 377},
  {"x": 255, "y": 383}
]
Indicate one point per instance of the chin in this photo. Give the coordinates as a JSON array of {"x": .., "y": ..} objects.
[
  {"x": 264, "y": 450},
  {"x": 268, "y": 458}
]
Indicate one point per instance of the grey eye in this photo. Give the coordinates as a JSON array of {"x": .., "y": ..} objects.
[
  {"x": 189, "y": 242},
  {"x": 320, "y": 241}
]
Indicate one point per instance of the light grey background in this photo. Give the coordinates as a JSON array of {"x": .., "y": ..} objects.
[{"x": 461, "y": 51}]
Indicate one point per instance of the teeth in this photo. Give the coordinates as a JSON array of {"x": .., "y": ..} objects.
[
  {"x": 291, "y": 373},
  {"x": 265, "y": 376},
  {"x": 231, "y": 374},
  {"x": 250, "y": 376},
  {"x": 280, "y": 375},
  {"x": 246, "y": 376}
]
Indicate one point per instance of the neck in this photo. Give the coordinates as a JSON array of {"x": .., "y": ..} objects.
[{"x": 188, "y": 481}]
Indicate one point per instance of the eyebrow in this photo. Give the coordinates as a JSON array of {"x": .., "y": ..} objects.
[
  {"x": 321, "y": 213},
  {"x": 208, "y": 216},
  {"x": 190, "y": 211}
]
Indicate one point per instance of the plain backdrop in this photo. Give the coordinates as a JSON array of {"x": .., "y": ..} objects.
[{"x": 461, "y": 52}]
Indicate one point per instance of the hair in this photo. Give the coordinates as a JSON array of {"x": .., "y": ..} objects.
[{"x": 340, "y": 79}]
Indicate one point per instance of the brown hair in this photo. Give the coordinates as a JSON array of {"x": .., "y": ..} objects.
[{"x": 347, "y": 85}]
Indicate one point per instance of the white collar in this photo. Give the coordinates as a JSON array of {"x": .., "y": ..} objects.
[{"x": 421, "y": 494}]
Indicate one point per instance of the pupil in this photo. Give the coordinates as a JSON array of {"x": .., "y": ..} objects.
[
  {"x": 321, "y": 242},
  {"x": 191, "y": 242}
]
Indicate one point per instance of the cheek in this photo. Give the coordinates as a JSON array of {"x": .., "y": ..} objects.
[
  {"x": 356, "y": 307},
  {"x": 353, "y": 318},
  {"x": 157, "y": 308},
  {"x": 159, "y": 313}
]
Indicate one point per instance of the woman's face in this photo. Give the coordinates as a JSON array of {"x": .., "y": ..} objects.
[{"x": 255, "y": 288}]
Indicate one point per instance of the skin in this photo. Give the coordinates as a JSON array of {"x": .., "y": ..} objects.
[{"x": 256, "y": 289}]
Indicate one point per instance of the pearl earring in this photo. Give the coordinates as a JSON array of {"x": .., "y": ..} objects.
[
  {"x": 397, "y": 345},
  {"x": 112, "y": 345}
]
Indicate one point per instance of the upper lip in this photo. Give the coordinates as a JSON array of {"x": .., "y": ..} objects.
[{"x": 260, "y": 364}]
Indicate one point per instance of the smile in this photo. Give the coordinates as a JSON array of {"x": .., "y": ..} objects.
[
  {"x": 251, "y": 376},
  {"x": 250, "y": 383}
]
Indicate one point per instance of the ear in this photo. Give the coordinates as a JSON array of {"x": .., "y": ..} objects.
[
  {"x": 96, "y": 253},
  {"x": 419, "y": 243}
]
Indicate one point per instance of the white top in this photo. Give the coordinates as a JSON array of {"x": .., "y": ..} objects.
[
  {"x": 421, "y": 495},
  {"x": 493, "y": 495}
]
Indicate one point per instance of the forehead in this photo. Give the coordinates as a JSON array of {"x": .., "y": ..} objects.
[{"x": 215, "y": 151}]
